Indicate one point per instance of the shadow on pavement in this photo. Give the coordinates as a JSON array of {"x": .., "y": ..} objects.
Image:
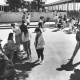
[
  {"x": 68, "y": 67},
  {"x": 75, "y": 75},
  {"x": 25, "y": 69}
]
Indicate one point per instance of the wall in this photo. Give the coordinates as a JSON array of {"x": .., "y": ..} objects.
[{"x": 17, "y": 16}]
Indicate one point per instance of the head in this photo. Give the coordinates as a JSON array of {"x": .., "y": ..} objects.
[
  {"x": 13, "y": 25},
  {"x": 10, "y": 37},
  {"x": 27, "y": 17},
  {"x": 38, "y": 31},
  {"x": 24, "y": 13},
  {"x": 23, "y": 21},
  {"x": 40, "y": 17}
]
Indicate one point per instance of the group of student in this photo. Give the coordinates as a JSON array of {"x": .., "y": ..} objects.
[
  {"x": 60, "y": 21},
  {"x": 63, "y": 22},
  {"x": 22, "y": 37},
  {"x": 74, "y": 27}
]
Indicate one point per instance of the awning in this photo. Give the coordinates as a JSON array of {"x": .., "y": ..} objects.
[
  {"x": 3, "y": 3},
  {"x": 60, "y": 2}
]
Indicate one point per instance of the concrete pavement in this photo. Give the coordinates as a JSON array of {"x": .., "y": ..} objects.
[
  {"x": 32, "y": 25},
  {"x": 58, "y": 49}
]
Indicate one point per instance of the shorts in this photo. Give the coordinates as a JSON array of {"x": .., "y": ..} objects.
[{"x": 25, "y": 45}]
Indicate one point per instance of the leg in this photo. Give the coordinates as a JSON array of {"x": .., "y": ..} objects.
[
  {"x": 29, "y": 49},
  {"x": 42, "y": 55},
  {"x": 76, "y": 50},
  {"x": 39, "y": 24},
  {"x": 38, "y": 51},
  {"x": 26, "y": 48}
]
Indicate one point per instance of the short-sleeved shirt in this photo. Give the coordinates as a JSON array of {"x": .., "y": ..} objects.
[{"x": 16, "y": 31}]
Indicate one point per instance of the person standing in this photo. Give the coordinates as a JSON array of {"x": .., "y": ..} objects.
[
  {"x": 77, "y": 47},
  {"x": 40, "y": 24},
  {"x": 26, "y": 39},
  {"x": 39, "y": 44},
  {"x": 56, "y": 20},
  {"x": 73, "y": 22},
  {"x": 27, "y": 21},
  {"x": 17, "y": 33},
  {"x": 24, "y": 16}
]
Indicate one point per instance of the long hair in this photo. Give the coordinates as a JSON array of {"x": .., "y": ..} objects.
[
  {"x": 25, "y": 30},
  {"x": 10, "y": 36}
]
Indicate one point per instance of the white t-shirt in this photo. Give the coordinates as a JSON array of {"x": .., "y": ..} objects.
[
  {"x": 27, "y": 21},
  {"x": 16, "y": 30}
]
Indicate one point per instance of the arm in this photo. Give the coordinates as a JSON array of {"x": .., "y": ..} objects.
[{"x": 1, "y": 49}]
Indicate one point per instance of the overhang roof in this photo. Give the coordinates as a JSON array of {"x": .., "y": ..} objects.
[
  {"x": 60, "y": 2},
  {"x": 3, "y": 3}
]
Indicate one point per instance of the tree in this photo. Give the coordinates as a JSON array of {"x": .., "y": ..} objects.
[
  {"x": 14, "y": 4},
  {"x": 39, "y": 3}
]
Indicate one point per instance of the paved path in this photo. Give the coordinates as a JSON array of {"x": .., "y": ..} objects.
[
  {"x": 58, "y": 49},
  {"x": 32, "y": 25}
]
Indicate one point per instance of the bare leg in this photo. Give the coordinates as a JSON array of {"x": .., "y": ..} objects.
[
  {"x": 29, "y": 50},
  {"x": 26, "y": 48},
  {"x": 76, "y": 50}
]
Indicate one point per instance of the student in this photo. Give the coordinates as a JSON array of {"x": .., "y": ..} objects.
[
  {"x": 7, "y": 70},
  {"x": 24, "y": 16},
  {"x": 77, "y": 45},
  {"x": 39, "y": 44},
  {"x": 73, "y": 22},
  {"x": 29, "y": 16},
  {"x": 27, "y": 21},
  {"x": 40, "y": 24},
  {"x": 26, "y": 40},
  {"x": 10, "y": 47},
  {"x": 64, "y": 21},
  {"x": 59, "y": 22},
  {"x": 56, "y": 20},
  {"x": 17, "y": 33}
]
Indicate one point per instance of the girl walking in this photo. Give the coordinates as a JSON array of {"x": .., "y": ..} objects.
[
  {"x": 77, "y": 47},
  {"x": 39, "y": 44}
]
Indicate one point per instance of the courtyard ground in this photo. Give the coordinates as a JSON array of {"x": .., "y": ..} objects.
[{"x": 59, "y": 48}]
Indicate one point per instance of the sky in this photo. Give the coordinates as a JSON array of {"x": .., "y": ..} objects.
[{"x": 50, "y": 1}]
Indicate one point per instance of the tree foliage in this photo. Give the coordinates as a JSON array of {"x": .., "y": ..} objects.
[{"x": 14, "y": 3}]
